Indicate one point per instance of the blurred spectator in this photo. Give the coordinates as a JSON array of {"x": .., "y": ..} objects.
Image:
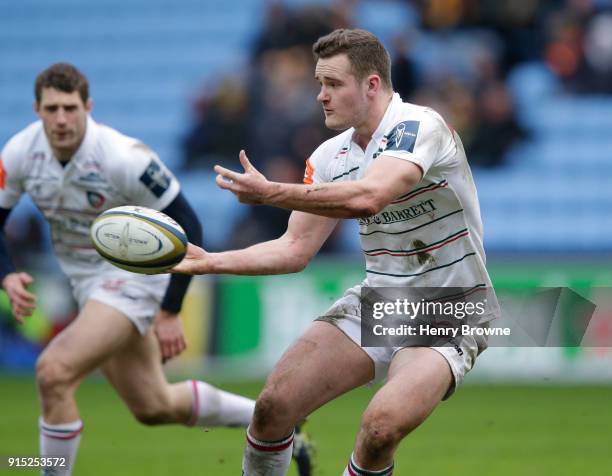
[
  {"x": 403, "y": 69},
  {"x": 286, "y": 27},
  {"x": 579, "y": 47},
  {"x": 595, "y": 76},
  {"x": 563, "y": 51},
  {"x": 284, "y": 123},
  {"x": 220, "y": 122},
  {"x": 497, "y": 128}
]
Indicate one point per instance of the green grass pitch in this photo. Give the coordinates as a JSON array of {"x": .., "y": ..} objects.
[{"x": 491, "y": 430}]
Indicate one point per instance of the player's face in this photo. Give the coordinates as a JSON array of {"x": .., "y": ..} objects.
[
  {"x": 342, "y": 96},
  {"x": 64, "y": 117}
]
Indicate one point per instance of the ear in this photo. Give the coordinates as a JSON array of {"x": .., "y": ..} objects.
[
  {"x": 373, "y": 84},
  {"x": 89, "y": 105},
  {"x": 36, "y": 106}
]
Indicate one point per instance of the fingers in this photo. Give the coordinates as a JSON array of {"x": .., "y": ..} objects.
[
  {"x": 227, "y": 173},
  {"x": 170, "y": 348},
  {"x": 169, "y": 333},
  {"x": 23, "y": 307},
  {"x": 244, "y": 161},
  {"x": 224, "y": 184},
  {"x": 20, "y": 311},
  {"x": 23, "y": 302},
  {"x": 184, "y": 267},
  {"x": 195, "y": 251},
  {"x": 22, "y": 294},
  {"x": 179, "y": 346},
  {"x": 26, "y": 279}
]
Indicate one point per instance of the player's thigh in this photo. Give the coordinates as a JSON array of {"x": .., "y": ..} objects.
[
  {"x": 321, "y": 365},
  {"x": 135, "y": 371},
  {"x": 98, "y": 331},
  {"x": 419, "y": 377}
]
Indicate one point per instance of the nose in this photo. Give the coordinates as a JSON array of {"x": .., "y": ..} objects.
[
  {"x": 60, "y": 118},
  {"x": 322, "y": 96}
]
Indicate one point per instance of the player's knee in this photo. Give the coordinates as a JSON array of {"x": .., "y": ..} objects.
[
  {"x": 272, "y": 409},
  {"x": 151, "y": 415},
  {"x": 53, "y": 377},
  {"x": 379, "y": 434}
]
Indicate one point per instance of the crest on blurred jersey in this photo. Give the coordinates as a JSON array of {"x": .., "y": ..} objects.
[{"x": 95, "y": 199}]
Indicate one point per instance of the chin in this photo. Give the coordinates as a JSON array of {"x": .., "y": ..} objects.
[
  {"x": 335, "y": 125},
  {"x": 65, "y": 148}
]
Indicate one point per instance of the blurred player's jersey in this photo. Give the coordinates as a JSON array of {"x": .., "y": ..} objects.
[
  {"x": 432, "y": 235},
  {"x": 109, "y": 170}
]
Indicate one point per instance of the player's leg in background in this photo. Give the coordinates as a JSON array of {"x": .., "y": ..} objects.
[
  {"x": 96, "y": 333},
  {"x": 419, "y": 378},
  {"x": 136, "y": 373},
  {"x": 321, "y": 365}
]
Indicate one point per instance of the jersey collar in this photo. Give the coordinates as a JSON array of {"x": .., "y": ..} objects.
[{"x": 379, "y": 133}]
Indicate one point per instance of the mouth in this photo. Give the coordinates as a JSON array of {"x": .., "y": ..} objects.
[{"x": 61, "y": 135}]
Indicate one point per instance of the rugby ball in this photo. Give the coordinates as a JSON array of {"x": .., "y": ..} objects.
[{"x": 139, "y": 239}]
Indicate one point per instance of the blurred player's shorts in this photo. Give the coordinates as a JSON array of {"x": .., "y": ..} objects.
[{"x": 137, "y": 296}]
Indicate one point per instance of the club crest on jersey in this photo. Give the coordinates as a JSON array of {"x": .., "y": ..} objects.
[
  {"x": 403, "y": 136},
  {"x": 155, "y": 179},
  {"x": 95, "y": 199}
]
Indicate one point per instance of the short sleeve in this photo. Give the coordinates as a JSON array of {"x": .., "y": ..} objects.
[
  {"x": 316, "y": 166},
  {"x": 418, "y": 141},
  {"x": 11, "y": 184},
  {"x": 145, "y": 180}
]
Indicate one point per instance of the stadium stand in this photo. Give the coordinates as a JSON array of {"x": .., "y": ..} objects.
[{"x": 147, "y": 59}]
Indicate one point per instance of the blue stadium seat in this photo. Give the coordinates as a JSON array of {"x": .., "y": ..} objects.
[
  {"x": 147, "y": 58},
  {"x": 218, "y": 210}
]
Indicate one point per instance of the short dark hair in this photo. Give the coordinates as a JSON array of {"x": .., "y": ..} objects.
[
  {"x": 63, "y": 77},
  {"x": 365, "y": 52}
]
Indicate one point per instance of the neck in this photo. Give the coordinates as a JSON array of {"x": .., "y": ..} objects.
[
  {"x": 363, "y": 132},
  {"x": 63, "y": 156}
]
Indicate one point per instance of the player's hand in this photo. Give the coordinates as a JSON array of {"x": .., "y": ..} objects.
[
  {"x": 250, "y": 187},
  {"x": 168, "y": 329},
  {"x": 23, "y": 302},
  {"x": 194, "y": 262}
]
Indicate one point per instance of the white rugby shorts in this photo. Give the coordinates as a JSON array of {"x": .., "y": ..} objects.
[
  {"x": 137, "y": 296},
  {"x": 345, "y": 314}
]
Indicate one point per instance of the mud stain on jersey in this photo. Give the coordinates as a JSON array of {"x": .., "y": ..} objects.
[{"x": 423, "y": 257}]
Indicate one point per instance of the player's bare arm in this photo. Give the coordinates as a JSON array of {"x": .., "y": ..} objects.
[
  {"x": 290, "y": 253},
  {"x": 386, "y": 179}
]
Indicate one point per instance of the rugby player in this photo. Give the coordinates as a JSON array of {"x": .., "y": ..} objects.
[
  {"x": 402, "y": 173},
  {"x": 74, "y": 169}
]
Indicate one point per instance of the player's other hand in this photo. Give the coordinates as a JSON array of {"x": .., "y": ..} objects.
[
  {"x": 250, "y": 187},
  {"x": 194, "y": 262},
  {"x": 23, "y": 302},
  {"x": 168, "y": 329}
]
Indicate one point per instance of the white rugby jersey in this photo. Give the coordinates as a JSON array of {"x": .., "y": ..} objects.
[
  {"x": 108, "y": 170},
  {"x": 432, "y": 235}
]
